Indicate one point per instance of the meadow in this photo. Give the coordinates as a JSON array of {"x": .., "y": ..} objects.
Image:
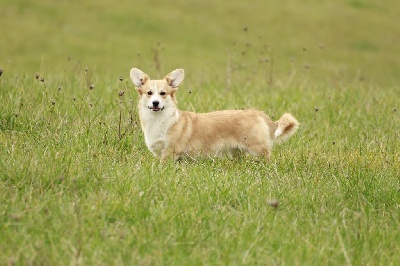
[{"x": 79, "y": 187}]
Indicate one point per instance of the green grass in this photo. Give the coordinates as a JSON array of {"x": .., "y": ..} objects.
[{"x": 78, "y": 185}]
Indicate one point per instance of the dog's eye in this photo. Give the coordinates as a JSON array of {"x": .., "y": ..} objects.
[
  {"x": 149, "y": 93},
  {"x": 162, "y": 93}
]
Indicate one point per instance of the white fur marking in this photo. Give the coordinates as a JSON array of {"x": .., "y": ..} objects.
[{"x": 278, "y": 132}]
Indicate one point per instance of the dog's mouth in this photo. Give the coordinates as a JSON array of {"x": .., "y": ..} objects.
[{"x": 156, "y": 109}]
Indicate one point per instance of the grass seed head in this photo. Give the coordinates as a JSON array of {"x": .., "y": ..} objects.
[
  {"x": 37, "y": 76},
  {"x": 12, "y": 261},
  {"x": 1, "y": 72},
  {"x": 41, "y": 79},
  {"x": 273, "y": 203},
  {"x": 91, "y": 87},
  {"x": 121, "y": 93}
]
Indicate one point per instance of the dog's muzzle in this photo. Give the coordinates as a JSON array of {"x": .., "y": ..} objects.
[
  {"x": 155, "y": 109},
  {"x": 156, "y": 106}
]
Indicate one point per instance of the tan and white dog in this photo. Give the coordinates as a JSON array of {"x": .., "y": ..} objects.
[{"x": 170, "y": 132}]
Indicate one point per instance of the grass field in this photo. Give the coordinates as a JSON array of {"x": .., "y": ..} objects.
[{"x": 79, "y": 187}]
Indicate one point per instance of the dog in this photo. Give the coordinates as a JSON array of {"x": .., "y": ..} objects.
[{"x": 170, "y": 132}]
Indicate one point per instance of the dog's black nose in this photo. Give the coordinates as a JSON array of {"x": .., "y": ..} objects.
[{"x": 156, "y": 103}]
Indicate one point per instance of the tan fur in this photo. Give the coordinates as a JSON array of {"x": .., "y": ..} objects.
[{"x": 170, "y": 132}]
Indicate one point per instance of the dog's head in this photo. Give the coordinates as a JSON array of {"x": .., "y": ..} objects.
[{"x": 157, "y": 94}]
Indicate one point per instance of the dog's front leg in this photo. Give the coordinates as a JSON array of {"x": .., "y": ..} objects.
[
  {"x": 164, "y": 156},
  {"x": 167, "y": 153}
]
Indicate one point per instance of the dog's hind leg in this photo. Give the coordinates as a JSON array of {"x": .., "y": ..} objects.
[
  {"x": 266, "y": 155},
  {"x": 260, "y": 150}
]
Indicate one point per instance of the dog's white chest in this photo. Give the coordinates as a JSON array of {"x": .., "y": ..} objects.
[
  {"x": 155, "y": 135},
  {"x": 156, "y": 126}
]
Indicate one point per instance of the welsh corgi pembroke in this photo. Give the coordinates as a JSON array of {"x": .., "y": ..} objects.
[{"x": 170, "y": 132}]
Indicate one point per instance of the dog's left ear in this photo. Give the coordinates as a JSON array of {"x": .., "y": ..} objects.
[
  {"x": 175, "y": 78},
  {"x": 138, "y": 77}
]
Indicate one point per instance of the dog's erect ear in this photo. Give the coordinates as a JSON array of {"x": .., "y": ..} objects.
[
  {"x": 175, "y": 78},
  {"x": 138, "y": 77}
]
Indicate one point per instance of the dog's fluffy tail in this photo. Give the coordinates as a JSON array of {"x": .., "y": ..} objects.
[{"x": 286, "y": 127}]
